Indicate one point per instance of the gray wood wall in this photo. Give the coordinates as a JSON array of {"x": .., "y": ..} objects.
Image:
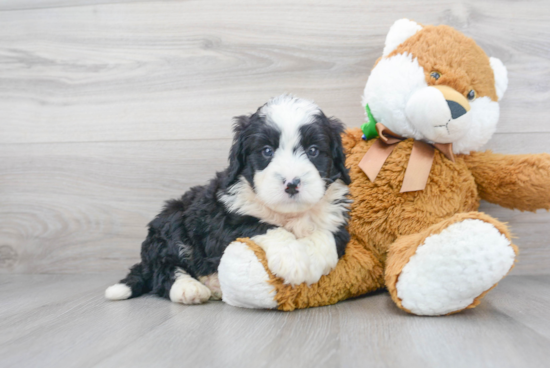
[{"x": 109, "y": 107}]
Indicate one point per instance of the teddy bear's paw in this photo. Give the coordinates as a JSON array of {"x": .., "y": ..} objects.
[
  {"x": 454, "y": 267},
  {"x": 187, "y": 290},
  {"x": 243, "y": 279}
]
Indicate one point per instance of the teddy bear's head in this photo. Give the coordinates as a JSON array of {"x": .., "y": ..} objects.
[{"x": 433, "y": 83}]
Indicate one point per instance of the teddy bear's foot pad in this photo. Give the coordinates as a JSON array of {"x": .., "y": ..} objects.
[
  {"x": 243, "y": 279},
  {"x": 452, "y": 268}
]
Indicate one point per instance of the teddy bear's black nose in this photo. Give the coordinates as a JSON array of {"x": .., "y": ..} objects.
[{"x": 456, "y": 109}]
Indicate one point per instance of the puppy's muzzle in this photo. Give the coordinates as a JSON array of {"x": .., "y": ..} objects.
[{"x": 292, "y": 186}]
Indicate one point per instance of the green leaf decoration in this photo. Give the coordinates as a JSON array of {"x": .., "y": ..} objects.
[{"x": 369, "y": 128}]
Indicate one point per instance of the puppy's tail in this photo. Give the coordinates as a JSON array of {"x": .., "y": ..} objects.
[{"x": 134, "y": 285}]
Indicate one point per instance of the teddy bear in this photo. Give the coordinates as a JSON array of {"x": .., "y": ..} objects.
[{"x": 417, "y": 177}]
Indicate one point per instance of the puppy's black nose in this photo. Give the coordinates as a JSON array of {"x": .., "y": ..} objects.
[
  {"x": 292, "y": 187},
  {"x": 457, "y": 110}
]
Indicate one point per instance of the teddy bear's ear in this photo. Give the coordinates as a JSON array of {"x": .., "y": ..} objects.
[
  {"x": 399, "y": 32},
  {"x": 501, "y": 76}
]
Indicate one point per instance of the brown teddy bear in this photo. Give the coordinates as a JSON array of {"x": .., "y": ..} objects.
[{"x": 431, "y": 100}]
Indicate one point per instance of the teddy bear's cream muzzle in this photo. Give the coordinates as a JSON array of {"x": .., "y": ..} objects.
[{"x": 440, "y": 113}]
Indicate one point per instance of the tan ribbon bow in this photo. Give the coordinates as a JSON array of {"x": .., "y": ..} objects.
[{"x": 420, "y": 162}]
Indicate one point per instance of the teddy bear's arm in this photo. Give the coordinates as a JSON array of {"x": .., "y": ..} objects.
[
  {"x": 513, "y": 181},
  {"x": 247, "y": 281}
]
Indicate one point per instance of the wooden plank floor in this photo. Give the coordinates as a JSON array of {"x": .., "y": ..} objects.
[
  {"x": 63, "y": 321},
  {"x": 110, "y": 107}
]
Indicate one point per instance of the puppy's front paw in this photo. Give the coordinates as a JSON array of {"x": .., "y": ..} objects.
[
  {"x": 286, "y": 257},
  {"x": 274, "y": 237},
  {"x": 212, "y": 282},
  {"x": 291, "y": 262},
  {"x": 322, "y": 253},
  {"x": 298, "y": 260},
  {"x": 187, "y": 290},
  {"x": 290, "y": 258}
]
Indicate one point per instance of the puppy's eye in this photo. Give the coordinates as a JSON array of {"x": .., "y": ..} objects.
[
  {"x": 471, "y": 95},
  {"x": 435, "y": 75},
  {"x": 313, "y": 151},
  {"x": 267, "y": 152}
]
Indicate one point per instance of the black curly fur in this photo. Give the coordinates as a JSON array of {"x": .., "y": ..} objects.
[{"x": 191, "y": 233}]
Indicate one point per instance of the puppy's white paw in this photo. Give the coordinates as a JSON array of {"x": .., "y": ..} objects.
[
  {"x": 298, "y": 260},
  {"x": 323, "y": 256},
  {"x": 275, "y": 236},
  {"x": 286, "y": 257},
  {"x": 187, "y": 290},
  {"x": 118, "y": 292},
  {"x": 292, "y": 263},
  {"x": 212, "y": 282}
]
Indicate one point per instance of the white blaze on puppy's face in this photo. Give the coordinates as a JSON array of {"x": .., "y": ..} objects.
[
  {"x": 300, "y": 181},
  {"x": 290, "y": 183},
  {"x": 288, "y": 170}
]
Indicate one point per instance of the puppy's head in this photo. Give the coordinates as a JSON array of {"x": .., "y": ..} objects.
[{"x": 289, "y": 153}]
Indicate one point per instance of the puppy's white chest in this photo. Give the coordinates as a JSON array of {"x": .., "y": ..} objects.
[{"x": 301, "y": 226}]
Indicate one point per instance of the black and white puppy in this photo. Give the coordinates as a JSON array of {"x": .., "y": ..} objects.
[{"x": 285, "y": 188}]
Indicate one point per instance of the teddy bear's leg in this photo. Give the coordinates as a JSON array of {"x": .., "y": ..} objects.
[
  {"x": 246, "y": 280},
  {"x": 449, "y": 266}
]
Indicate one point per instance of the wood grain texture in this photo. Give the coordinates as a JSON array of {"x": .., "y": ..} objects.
[
  {"x": 63, "y": 321},
  {"x": 181, "y": 70},
  {"x": 83, "y": 207},
  {"x": 14, "y": 5},
  {"x": 110, "y": 107}
]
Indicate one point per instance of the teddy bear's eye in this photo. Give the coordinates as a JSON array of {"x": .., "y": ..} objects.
[
  {"x": 435, "y": 75},
  {"x": 471, "y": 95}
]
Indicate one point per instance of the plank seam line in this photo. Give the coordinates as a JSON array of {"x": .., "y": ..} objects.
[
  {"x": 79, "y": 6},
  {"x": 190, "y": 139},
  {"x": 121, "y": 141}
]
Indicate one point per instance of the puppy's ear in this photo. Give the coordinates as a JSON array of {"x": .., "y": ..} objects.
[
  {"x": 339, "y": 170},
  {"x": 237, "y": 155}
]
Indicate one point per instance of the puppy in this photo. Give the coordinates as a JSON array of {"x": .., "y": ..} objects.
[{"x": 285, "y": 187}]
